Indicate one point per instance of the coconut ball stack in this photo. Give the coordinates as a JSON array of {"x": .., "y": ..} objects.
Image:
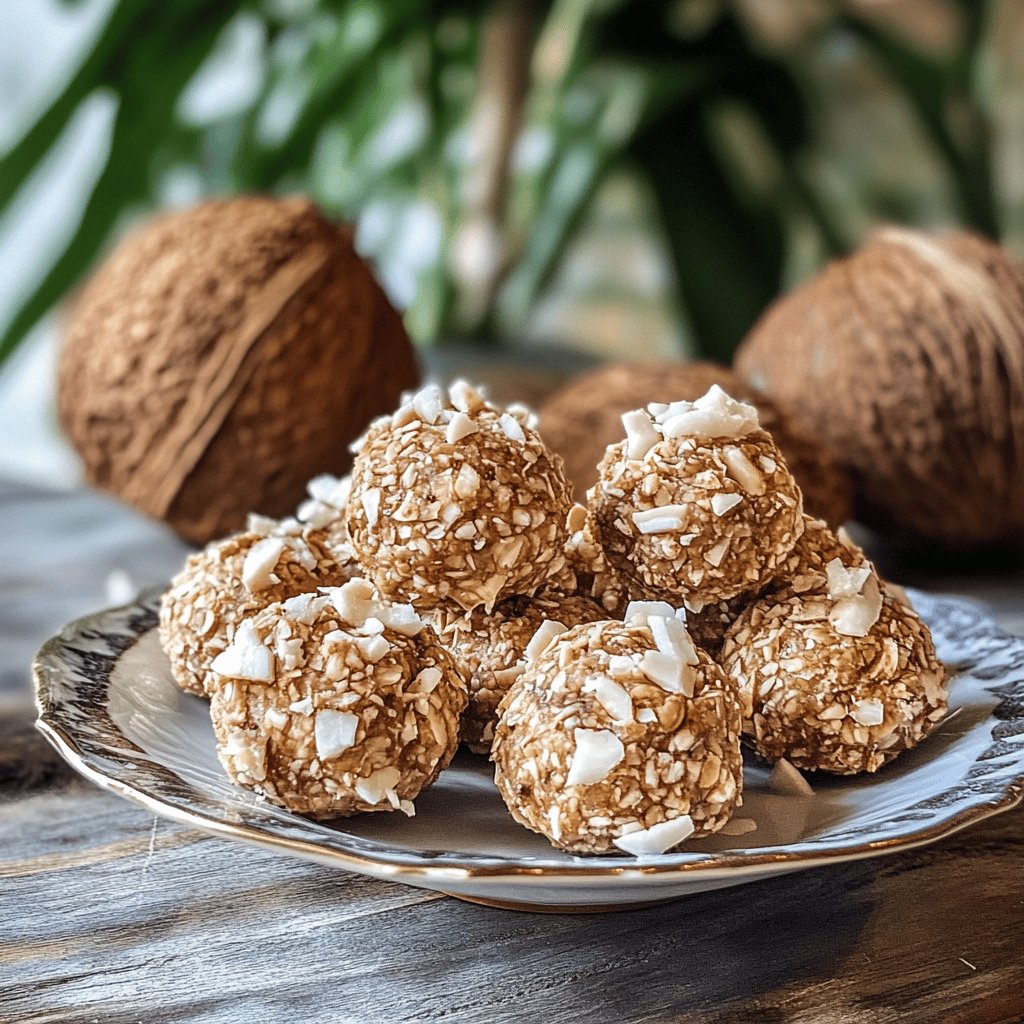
[{"x": 609, "y": 657}]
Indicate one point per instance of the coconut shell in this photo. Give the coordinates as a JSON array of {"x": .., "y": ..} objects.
[
  {"x": 907, "y": 360},
  {"x": 582, "y": 418},
  {"x": 224, "y": 355}
]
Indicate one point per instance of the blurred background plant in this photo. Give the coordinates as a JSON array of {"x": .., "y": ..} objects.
[{"x": 633, "y": 178}]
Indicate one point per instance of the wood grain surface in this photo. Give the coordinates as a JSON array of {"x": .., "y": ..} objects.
[{"x": 108, "y": 914}]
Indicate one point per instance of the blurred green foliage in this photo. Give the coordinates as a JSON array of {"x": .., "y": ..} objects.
[{"x": 469, "y": 140}]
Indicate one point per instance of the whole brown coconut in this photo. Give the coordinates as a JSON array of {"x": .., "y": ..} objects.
[
  {"x": 224, "y": 355},
  {"x": 907, "y": 360},
  {"x": 582, "y": 418}
]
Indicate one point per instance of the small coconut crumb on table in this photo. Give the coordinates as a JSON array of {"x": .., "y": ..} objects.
[{"x": 110, "y": 914}]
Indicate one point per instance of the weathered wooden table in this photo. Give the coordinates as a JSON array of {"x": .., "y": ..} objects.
[{"x": 108, "y": 914}]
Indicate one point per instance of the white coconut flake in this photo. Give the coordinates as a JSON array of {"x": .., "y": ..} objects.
[
  {"x": 658, "y": 838},
  {"x": 721, "y": 503},
  {"x": 713, "y": 556},
  {"x": 246, "y": 657},
  {"x": 711, "y": 416},
  {"x": 372, "y": 648},
  {"x": 620, "y": 666},
  {"x": 402, "y": 618},
  {"x": 276, "y": 718},
  {"x": 666, "y": 670},
  {"x": 666, "y": 519},
  {"x": 460, "y": 426},
  {"x": 354, "y": 601},
  {"x": 304, "y": 608},
  {"x": 428, "y": 403},
  {"x": 641, "y": 436},
  {"x": 370, "y": 499},
  {"x": 639, "y": 613},
  {"x": 426, "y": 680},
  {"x": 611, "y": 696},
  {"x": 742, "y": 470},
  {"x": 854, "y": 616},
  {"x": 511, "y": 427},
  {"x": 787, "y": 781},
  {"x": 672, "y": 637},
  {"x": 545, "y": 636},
  {"x": 258, "y": 567},
  {"x": 263, "y": 525},
  {"x": 375, "y": 788},
  {"x": 843, "y": 582},
  {"x": 467, "y": 481},
  {"x": 869, "y": 711},
  {"x": 464, "y": 397},
  {"x": 330, "y": 490},
  {"x": 302, "y": 707},
  {"x": 598, "y": 751},
  {"x": 334, "y": 732},
  {"x": 555, "y": 822}
]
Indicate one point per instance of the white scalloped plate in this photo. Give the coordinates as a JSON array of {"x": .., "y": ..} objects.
[{"x": 108, "y": 704}]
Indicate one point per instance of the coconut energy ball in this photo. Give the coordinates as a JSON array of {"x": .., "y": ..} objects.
[
  {"x": 840, "y": 681},
  {"x": 696, "y": 504},
  {"x": 334, "y": 703},
  {"x": 457, "y": 501},
  {"x": 619, "y": 737},
  {"x": 489, "y": 648},
  {"x": 233, "y": 578}
]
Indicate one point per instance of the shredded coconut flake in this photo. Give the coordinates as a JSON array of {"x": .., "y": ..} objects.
[
  {"x": 854, "y": 616},
  {"x": 711, "y": 416},
  {"x": 459, "y": 426},
  {"x": 464, "y": 397},
  {"x": 843, "y": 582},
  {"x": 598, "y": 751},
  {"x": 721, "y": 503},
  {"x": 658, "y": 838},
  {"x": 334, "y": 732},
  {"x": 246, "y": 657},
  {"x": 671, "y": 637},
  {"x": 666, "y": 670},
  {"x": 375, "y": 788},
  {"x": 665, "y": 519},
  {"x": 428, "y": 403},
  {"x": 511, "y": 427},
  {"x": 258, "y": 567},
  {"x": 611, "y": 696},
  {"x": 869, "y": 711},
  {"x": 641, "y": 436},
  {"x": 639, "y": 613},
  {"x": 370, "y": 499},
  {"x": 545, "y": 636},
  {"x": 742, "y": 470}
]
